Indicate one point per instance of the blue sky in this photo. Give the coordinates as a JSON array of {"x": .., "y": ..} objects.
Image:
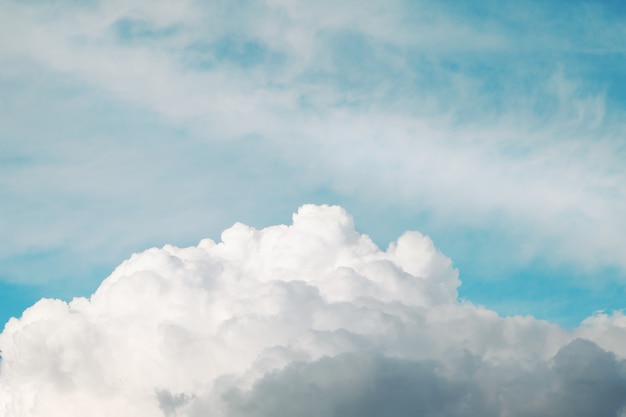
[{"x": 498, "y": 130}]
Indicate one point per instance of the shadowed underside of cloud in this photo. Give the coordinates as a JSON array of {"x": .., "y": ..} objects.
[
  {"x": 307, "y": 319},
  {"x": 582, "y": 380}
]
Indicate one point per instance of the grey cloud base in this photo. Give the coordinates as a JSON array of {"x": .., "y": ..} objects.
[
  {"x": 582, "y": 380},
  {"x": 307, "y": 319}
]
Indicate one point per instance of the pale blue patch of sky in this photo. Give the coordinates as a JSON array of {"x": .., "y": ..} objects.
[
  {"x": 236, "y": 51},
  {"x": 129, "y": 30},
  {"x": 16, "y": 298}
]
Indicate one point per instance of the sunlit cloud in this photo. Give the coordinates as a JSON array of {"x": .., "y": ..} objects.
[{"x": 305, "y": 319}]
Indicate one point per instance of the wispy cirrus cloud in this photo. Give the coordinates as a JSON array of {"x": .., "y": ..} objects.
[{"x": 476, "y": 116}]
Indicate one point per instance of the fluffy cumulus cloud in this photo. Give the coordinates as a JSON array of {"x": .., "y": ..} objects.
[{"x": 310, "y": 319}]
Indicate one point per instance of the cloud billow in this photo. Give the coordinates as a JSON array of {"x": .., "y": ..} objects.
[{"x": 307, "y": 319}]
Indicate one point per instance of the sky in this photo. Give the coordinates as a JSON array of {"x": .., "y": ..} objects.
[{"x": 497, "y": 130}]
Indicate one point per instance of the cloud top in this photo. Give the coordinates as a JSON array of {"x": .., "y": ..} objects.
[{"x": 307, "y": 319}]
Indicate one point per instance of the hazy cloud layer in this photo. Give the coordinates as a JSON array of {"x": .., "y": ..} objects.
[
  {"x": 507, "y": 116},
  {"x": 307, "y": 319}
]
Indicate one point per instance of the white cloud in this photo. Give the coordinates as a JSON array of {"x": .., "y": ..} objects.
[{"x": 307, "y": 319}]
